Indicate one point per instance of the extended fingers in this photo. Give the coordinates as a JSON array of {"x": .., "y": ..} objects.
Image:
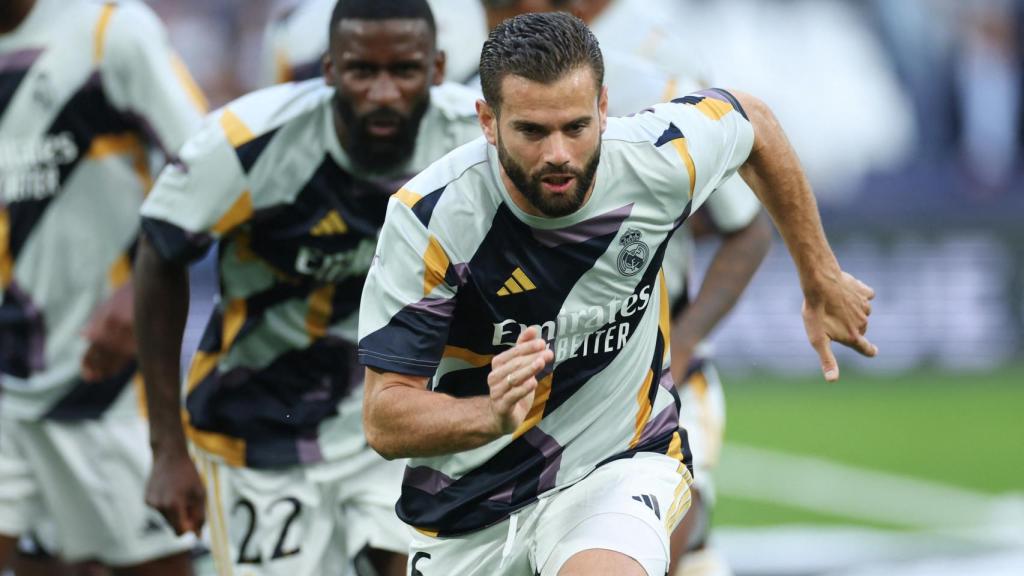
[
  {"x": 862, "y": 345},
  {"x": 866, "y": 290},
  {"x": 518, "y": 369},
  {"x": 522, "y": 348}
]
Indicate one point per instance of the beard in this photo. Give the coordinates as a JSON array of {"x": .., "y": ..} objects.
[
  {"x": 531, "y": 187},
  {"x": 380, "y": 153}
]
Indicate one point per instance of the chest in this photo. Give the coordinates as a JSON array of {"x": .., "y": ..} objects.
[{"x": 328, "y": 233}]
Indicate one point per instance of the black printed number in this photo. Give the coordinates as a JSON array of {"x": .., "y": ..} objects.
[
  {"x": 415, "y": 560},
  {"x": 247, "y": 557},
  {"x": 279, "y": 551}
]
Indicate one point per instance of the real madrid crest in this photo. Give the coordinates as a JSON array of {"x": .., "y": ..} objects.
[{"x": 634, "y": 252}]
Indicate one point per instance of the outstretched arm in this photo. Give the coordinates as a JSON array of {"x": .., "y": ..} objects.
[{"x": 836, "y": 305}]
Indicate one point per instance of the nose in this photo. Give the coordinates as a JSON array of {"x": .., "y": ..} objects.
[
  {"x": 384, "y": 90},
  {"x": 556, "y": 150}
]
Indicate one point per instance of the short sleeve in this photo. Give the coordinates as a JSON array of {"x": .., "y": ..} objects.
[
  {"x": 409, "y": 296},
  {"x": 202, "y": 196},
  {"x": 143, "y": 76},
  {"x": 708, "y": 133}
]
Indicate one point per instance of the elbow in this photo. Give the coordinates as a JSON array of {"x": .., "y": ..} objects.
[
  {"x": 379, "y": 441},
  {"x": 376, "y": 430}
]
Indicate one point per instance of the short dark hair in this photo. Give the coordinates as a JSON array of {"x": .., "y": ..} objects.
[
  {"x": 382, "y": 10},
  {"x": 538, "y": 47}
]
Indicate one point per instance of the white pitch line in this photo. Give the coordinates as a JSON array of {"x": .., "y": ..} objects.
[{"x": 843, "y": 490}]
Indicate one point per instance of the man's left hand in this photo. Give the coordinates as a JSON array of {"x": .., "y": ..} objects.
[{"x": 111, "y": 337}]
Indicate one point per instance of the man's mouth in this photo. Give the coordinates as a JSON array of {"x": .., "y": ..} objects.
[
  {"x": 558, "y": 183},
  {"x": 383, "y": 127}
]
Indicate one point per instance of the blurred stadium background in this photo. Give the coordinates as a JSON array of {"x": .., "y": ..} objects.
[{"x": 907, "y": 114}]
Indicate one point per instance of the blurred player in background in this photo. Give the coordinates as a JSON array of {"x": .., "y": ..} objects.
[
  {"x": 732, "y": 214},
  {"x": 515, "y": 322},
  {"x": 89, "y": 92},
  {"x": 644, "y": 29},
  {"x": 292, "y": 182},
  {"x": 294, "y": 47}
]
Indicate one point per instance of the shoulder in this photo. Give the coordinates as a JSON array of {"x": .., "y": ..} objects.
[
  {"x": 452, "y": 197},
  {"x": 244, "y": 127},
  {"x": 665, "y": 121},
  {"x": 449, "y": 170},
  {"x": 266, "y": 110}
]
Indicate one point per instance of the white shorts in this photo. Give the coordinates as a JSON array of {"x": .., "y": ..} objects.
[
  {"x": 82, "y": 484},
  {"x": 703, "y": 416},
  {"x": 629, "y": 506},
  {"x": 302, "y": 520}
]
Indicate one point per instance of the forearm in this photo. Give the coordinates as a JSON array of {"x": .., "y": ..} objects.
[
  {"x": 161, "y": 310},
  {"x": 773, "y": 171},
  {"x": 402, "y": 421},
  {"x": 728, "y": 275}
]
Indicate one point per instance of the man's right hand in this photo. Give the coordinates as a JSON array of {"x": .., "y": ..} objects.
[
  {"x": 176, "y": 491},
  {"x": 513, "y": 379},
  {"x": 839, "y": 313}
]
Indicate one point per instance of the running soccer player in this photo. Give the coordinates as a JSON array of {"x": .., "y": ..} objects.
[
  {"x": 88, "y": 90},
  {"x": 734, "y": 215},
  {"x": 515, "y": 326},
  {"x": 292, "y": 182}
]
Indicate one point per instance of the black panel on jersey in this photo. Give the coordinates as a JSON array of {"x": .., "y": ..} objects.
[
  {"x": 249, "y": 152},
  {"x": 671, "y": 133},
  {"x": 660, "y": 445},
  {"x": 573, "y": 373},
  {"x": 411, "y": 343},
  {"x": 88, "y": 400},
  {"x": 517, "y": 466},
  {"x": 22, "y": 334},
  {"x": 718, "y": 93},
  {"x": 10, "y": 80},
  {"x": 466, "y": 383},
  {"x": 510, "y": 244},
  {"x": 346, "y": 297},
  {"x": 424, "y": 209},
  {"x": 275, "y": 410},
  {"x": 174, "y": 244},
  {"x": 279, "y": 233},
  {"x": 211, "y": 341},
  {"x": 86, "y": 115}
]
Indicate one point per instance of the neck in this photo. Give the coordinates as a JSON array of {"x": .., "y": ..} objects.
[{"x": 14, "y": 13}]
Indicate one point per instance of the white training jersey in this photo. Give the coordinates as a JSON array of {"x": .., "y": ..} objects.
[
  {"x": 461, "y": 270},
  {"x": 295, "y": 42},
  {"x": 88, "y": 90},
  {"x": 296, "y": 224}
]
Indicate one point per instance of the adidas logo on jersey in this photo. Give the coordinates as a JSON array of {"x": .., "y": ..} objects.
[
  {"x": 516, "y": 284},
  {"x": 330, "y": 225},
  {"x": 651, "y": 501}
]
